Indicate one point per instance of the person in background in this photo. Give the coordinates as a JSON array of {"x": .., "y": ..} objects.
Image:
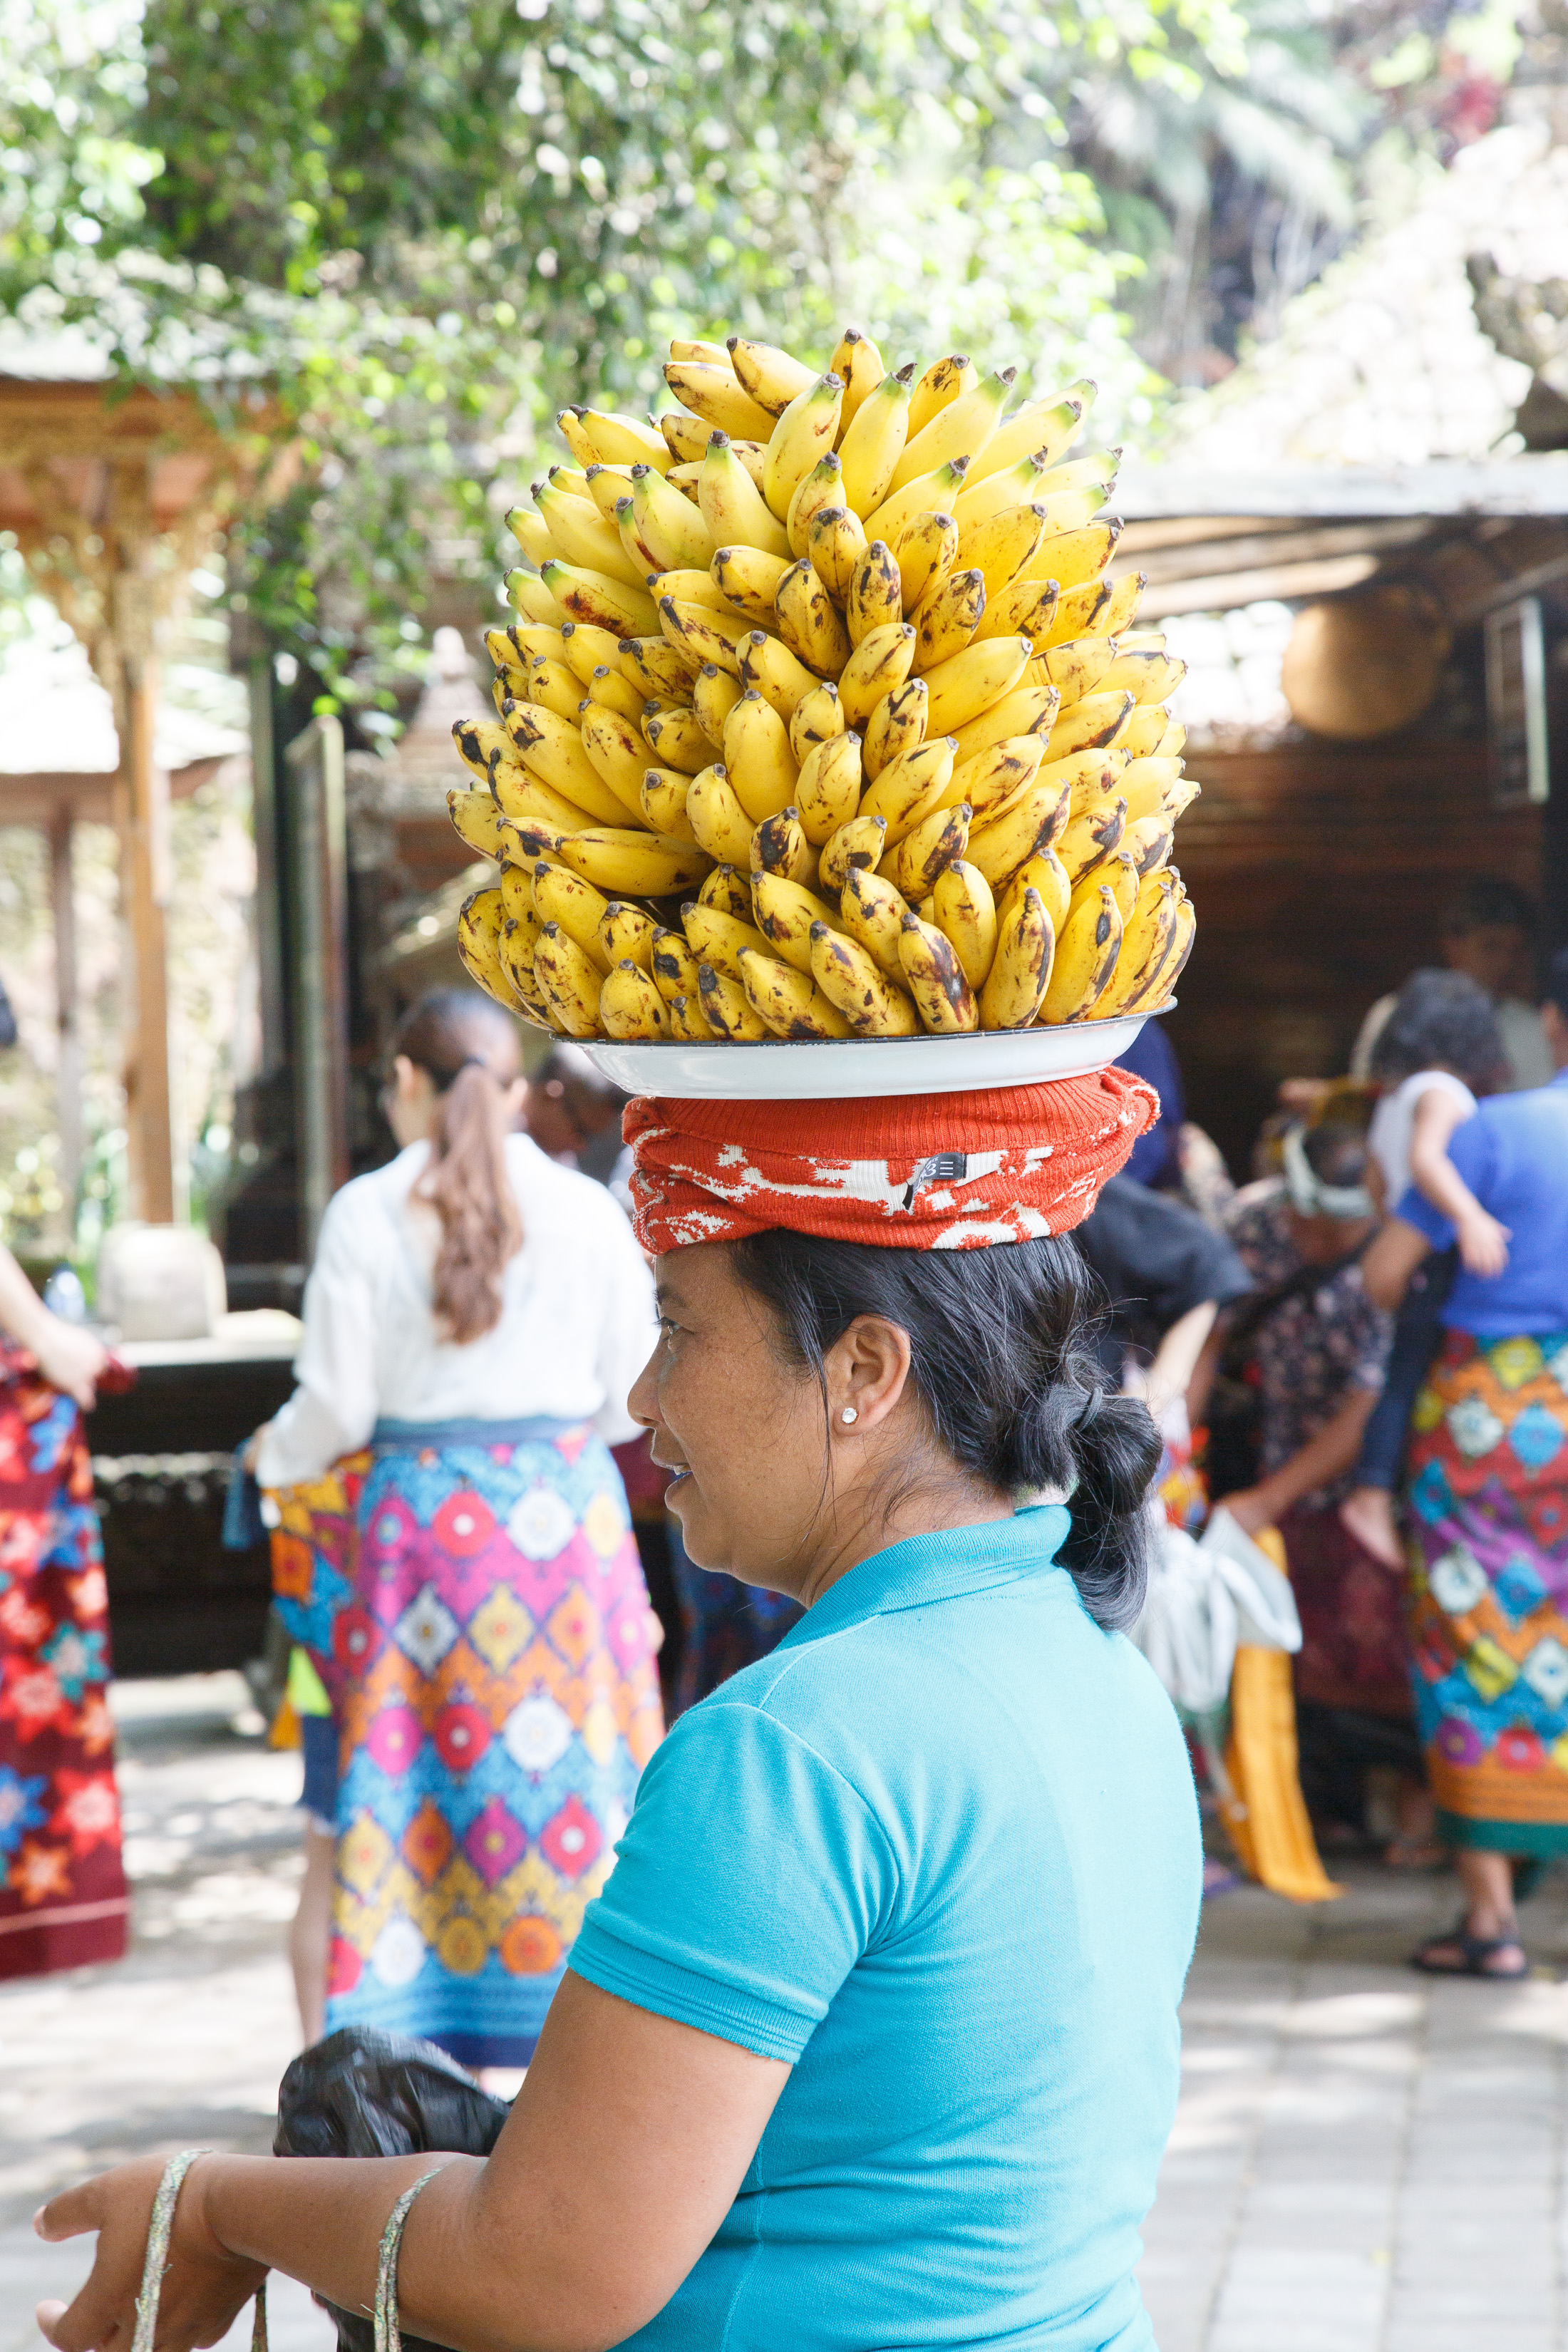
[
  {"x": 1312, "y": 1344},
  {"x": 63, "y": 1900},
  {"x": 1488, "y": 1503},
  {"x": 574, "y": 1114},
  {"x": 475, "y": 1317},
  {"x": 1488, "y": 932},
  {"x": 1156, "y": 1159},
  {"x": 1437, "y": 1051}
]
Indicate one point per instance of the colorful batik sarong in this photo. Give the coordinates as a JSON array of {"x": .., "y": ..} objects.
[
  {"x": 1488, "y": 1499},
  {"x": 492, "y": 1668},
  {"x": 63, "y": 1899}
]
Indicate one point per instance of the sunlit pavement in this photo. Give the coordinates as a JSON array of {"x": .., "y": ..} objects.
[{"x": 1363, "y": 2162}]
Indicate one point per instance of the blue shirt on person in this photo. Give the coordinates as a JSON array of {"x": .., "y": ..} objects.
[
  {"x": 1513, "y": 1155},
  {"x": 941, "y": 1853}
]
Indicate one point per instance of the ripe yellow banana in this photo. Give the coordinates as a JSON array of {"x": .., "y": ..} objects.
[
  {"x": 1047, "y": 875},
  {"x": 786, "y": 913},
  {"x": 971, "y": 683},
  {"x": 1026, "y": 711},
  {"x": 748, "y": 578},
  {"x": 568, "y": 980},
  {"x": 770, "y": 668},
  {"x": 668, "y": 524},
  {"x": 531, "y": 815},
  {"x": 688, "y": 1025},
  {"x": 1147, "y": 937},
  {"x": 873, "y": 443},
  {"x": 718, "y": 395},
  {"x": 1175, "y": 963},
  {"x": 779, "y": 846},
  {"x": 1092, "y": 776},
  {"x": 519, "y": 944},
  {"x": 727, "y": 890},
  {"x": 714, "y": 694},
  {"x": 630, "y": 1005},
  {"x": 577, "y": 440},
  {"x": 849, "y": 979},
  {"x": 477, "y": 821},
  {"x": 1123, "y": 877},
  {"x": 858, "y": 363},
  {"x": 564, "y": 898},
  {"x": 872, "y": 909},
  {"x": 934, "y": 977},
  {"x": 529, "y": 596},
  {"x": 983, "y": 501},
  {"x": 1096, "y": 471},
  {"x": 1097, "y": 723},
  {"x": 758, "y": 761},
  {"x": 716, "y": 817},
  {"x": 1148, "y": 844},
  {"x": 584, "y": 594},
  {"x": 897, "y": 725},
  {"x": 658, "y": 667},
  {"x": 621, "y": 440},
  {"x": 768, "y": 375},
  {"x": 1091, "y": 839},
  {"x": 1042, "y": 429},
  {"x": 994, "y": 779},
  {"x": 619, "y": 755},
  {"x": 517, "y": 898},
  {"x": 1172, "y": 740},
  {"x": 1085, "y": 960},
  {"x": 692, "y": 348},
  {"x": 1073, "y": 558},
  {"x": 1021, "y": 970},
  {"x": 945, "y": 381},
  {"x": 718, "y": 939},
  {"x": 937, "y": 492},
  {"x": 856, "y": 843},
  {"x": 553, "y": 751},
  {"x": 910, "y": 787},
  {"x": 817, "y": 717},
  {"x": 629, "y": 864},
  {"x": 835, "y": 544},
  {"x": 1076, "y": 667},
  {"x": 703, "y": 635},
  {"x": 728, "y": 1009},
  {"x": 662, "y": 800},
  {"x": 1148, "y": 785},
  {"x": 1150, "y": 674},
  {"x": 672, "y": 966},
  {"x": 574, "y": 480},
  {"x": 686, "y": 437},
  {"x": 736, "y": 513},
  {"x": 1080, "y": 613},
  {"x": 1035, "y": 822},
  {"x": 809, "y": 621},
  {"x": 1026, "y": 609},
  {"x": 913, "y": 866},
  {"x": 827, "y": 789},
  {"x": 1001, "y": 546},
  {"x": 964, "y": 910},
  {"x": 875, "y": 598},
  {"x": 676, "y": 740},
  {"x": 925, "y": 549},
  {"x": 948, "y": 619},
  {"x": 480, "y": 921},
  {"x": 579, "y": 535},
  {"x": 1145, "y": 729},
  {"x": 789, "y": 1002},
  {"x": 616, "y": 693},
  {"x": 606, "y": 486},
  {"x": 553, "y": 687},
  {"x": 822, "y": 489},
  {"x": 1117, "y": 614},
  {"x": 531, "y": 533},
  {"x": 804, "y": 431},
  {"x": 628, "y": 932},
  {"x": 878, "y": 665},
  {"x": 961, "y": 428}
]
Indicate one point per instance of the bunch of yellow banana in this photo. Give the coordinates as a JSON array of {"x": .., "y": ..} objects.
[{"x": 819, "y": 717}]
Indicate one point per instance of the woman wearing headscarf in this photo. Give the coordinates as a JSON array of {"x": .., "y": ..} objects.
[
  {"x": 872, "y": 2037},
  {"x": 465, "y": 1581}
]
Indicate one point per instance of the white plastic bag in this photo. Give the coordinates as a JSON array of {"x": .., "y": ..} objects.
[{"x": 1205, "y": 1599}]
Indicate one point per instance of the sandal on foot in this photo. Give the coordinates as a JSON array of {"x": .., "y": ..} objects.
[{"x": 1475, "y": 1955}]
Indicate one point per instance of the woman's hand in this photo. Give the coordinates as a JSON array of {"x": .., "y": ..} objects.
[
  {"x": 205, "y": 2288},
  {"x": 1483, "y": 1242},
  {"x": 252, "y": 1452},
  {"x": 1251, "y": 1508},
  {"x": 70, "y": 1360}
]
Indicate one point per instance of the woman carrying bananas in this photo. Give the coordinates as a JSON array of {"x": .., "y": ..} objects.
[
  {"x": 473, "y": 1600},
  {"x": 872, "y": 2038}
]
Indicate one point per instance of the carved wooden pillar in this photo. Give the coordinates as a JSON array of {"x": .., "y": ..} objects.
[{"x": 144, "y": 817}]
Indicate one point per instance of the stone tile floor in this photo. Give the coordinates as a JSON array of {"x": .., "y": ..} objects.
[{"x": 1364, "y": 2161}]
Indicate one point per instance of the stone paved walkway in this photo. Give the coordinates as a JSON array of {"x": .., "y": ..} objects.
[{"x": 1363, "y": 2162}]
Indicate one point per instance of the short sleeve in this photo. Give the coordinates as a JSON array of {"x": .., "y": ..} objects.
[
  {"x": 333, "y": 1409},
  {"x": 751, "y": 1879},
  {"x": 1472, "y": 1153}
]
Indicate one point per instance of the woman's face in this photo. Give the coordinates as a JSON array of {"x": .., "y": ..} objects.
[{"x": 766, "y": 1485}]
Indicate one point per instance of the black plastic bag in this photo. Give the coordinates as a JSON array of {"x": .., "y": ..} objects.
[{"x": 364, "y": 2094}]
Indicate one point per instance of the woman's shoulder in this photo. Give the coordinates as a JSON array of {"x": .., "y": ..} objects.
[{"x": 544, "y": 1186}]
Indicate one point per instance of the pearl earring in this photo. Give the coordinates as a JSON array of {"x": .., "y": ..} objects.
[{"x": 849, "y": 1414}]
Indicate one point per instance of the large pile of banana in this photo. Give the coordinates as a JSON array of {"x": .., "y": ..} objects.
[{"x": 819, "y": 719}]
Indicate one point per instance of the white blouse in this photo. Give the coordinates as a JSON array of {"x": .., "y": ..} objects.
[{"x": 577, "y": 1321}]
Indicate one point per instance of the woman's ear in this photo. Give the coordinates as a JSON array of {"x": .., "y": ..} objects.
[{"x": 867, "y": 1372}]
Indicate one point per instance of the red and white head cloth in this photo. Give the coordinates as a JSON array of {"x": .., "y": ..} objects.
[{"x": 910, "y": 1171}]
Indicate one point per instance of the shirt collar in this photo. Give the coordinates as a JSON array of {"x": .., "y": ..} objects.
[{"x": 938, "y": 1566}]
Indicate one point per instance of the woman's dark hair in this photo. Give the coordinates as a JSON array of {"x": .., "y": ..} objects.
[
  {"x": 467, "y": 1047},
  {"x": 1439, "y": 1017},
  {"x": 1001, "y": 1364}
]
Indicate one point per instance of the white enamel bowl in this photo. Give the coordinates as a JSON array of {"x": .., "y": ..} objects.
[{"x": 833, "y": 1069}]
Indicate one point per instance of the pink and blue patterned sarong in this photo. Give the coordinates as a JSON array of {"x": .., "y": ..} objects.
[{"x": 486, "y": 1638}]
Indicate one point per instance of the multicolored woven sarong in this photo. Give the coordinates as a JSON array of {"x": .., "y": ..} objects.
[
  {"x": 63, "y": 1900},
  {"x": 1489, "y": 1495},
  {"x": 483, "y": 1629}
]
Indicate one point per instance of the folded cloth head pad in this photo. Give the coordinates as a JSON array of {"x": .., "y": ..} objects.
[{"x": 907, "y": 1172}]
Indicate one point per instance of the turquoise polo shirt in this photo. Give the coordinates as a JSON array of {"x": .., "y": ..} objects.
[{"x": 940, "y": 1852}]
